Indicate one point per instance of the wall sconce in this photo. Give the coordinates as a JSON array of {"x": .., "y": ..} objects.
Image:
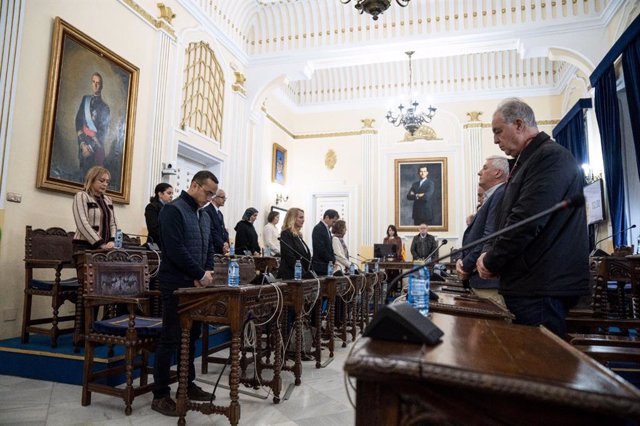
[{"x": 280, "y": 198}]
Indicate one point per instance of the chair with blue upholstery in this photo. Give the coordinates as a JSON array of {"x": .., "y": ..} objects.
[
  {"x": 48, "y": 252},
  {"x": 121, "y": 278}
]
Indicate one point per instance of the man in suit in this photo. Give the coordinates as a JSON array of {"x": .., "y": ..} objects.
[
  {"x": 543, "y": 266},
  {"x": 491, "y": 179},
  {"x": 321, "y": 239},
  {"x": 424, "y": 244},
  {"x": 421, "y": 192},
  {"x": 219, "y": 233}
]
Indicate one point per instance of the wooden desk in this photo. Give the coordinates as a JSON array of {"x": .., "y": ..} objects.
[
  {"x": 298, "y": 295},
  {"x": 486, "y": 373},
  {"x": 330, "y": 287},
  {"x": 266, "y": 264},
  {"x": 232, "y": 306}
]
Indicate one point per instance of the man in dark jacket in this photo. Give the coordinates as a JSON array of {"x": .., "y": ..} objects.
[
  {"x": 219, "y": 233},
  {"x": 187, "y": 261},
  {"x": 424, "y": 244},
  {"x": 321, "y": 239},
  {"x": 491, "y": 179},
  {"x": 543, "y": 266}
]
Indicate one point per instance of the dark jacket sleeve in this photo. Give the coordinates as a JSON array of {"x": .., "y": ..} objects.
[
  {"x": 173, "y": 239},
  {"x": 322, "y": 248}
]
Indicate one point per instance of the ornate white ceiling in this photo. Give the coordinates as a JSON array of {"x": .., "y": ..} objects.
[{"x": 462, "y": 46}]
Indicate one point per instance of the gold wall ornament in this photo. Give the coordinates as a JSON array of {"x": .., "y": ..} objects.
[
  {"x": 474, "y": 115},
  {"x": 158, "y": 23},
  {"x": 367, "y": 123},
  {"x": 424, "y": 132},
  {"x": 330, "y": 159},
  {"x": 238, "y": 85},
  {"x": 166, "y": 13}
]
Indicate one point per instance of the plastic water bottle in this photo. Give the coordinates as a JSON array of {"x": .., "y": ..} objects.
[
  {"x": 419, "y": 284},
  {"x": 638, "y": 245},
  {"x": 352, "y": 269},
  {"x": 366, "y": 267},
  {"x": 330, "y": 269},
  {"x": 297, "y": 271},
  {"x": 118, "y": 239},
  {"x": 232, "y": 250},
  {"x": 233, "y": 278},
  {"x": 377, "y": 267}
]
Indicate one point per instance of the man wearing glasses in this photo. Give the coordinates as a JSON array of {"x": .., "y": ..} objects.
[
  {"x": 187, "y": 261},
  {"x": 219, "y": 234}
]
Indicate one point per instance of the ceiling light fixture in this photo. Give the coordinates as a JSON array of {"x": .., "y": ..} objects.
[
  {"x": 411, "y": 120},
  {"x": 375, "y": 7}
]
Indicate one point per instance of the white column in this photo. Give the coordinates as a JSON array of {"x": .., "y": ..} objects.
[
  {"x": 472, "y": 137},
  {"x": 161, "y": 133},
  {"x": 11, "y": 24},
  {"x": 370, "y": 147}
]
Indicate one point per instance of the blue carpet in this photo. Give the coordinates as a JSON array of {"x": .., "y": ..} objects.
[{"x": 38, "y": 360}]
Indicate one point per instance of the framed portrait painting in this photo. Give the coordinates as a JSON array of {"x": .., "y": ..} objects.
[
  {"x": 421, "y": 194},
  {"x": 89, "y": 114},
  {"x": 279, "y": 165}
]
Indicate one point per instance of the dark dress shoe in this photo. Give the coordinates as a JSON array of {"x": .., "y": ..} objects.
[
  {"x": 195, "y": 393},
  {"x": 165, "y": 406}
]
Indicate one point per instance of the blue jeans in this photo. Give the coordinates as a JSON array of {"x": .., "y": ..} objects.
[
  {"x": 542, "y": 310},
  {"x": 169, "y": 346}
]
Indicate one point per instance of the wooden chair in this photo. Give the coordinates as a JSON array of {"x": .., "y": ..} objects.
[
  {"x": 118, "y": 277},
  {"x": 609, "y": 331},
  {"x": 49, "y": 250},
  {"x": 221, "y": 270}
]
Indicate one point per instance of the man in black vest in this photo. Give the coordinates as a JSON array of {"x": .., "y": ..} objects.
[
  {"x": 219, "y": 233},
  {"x": 187, "y": 261}
]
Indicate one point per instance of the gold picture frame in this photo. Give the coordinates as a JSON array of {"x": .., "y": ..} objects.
[
  {"x": 89, "y": 114},
  {"x": 279, "y": 164},
  {"x": 411, "y": 207}
]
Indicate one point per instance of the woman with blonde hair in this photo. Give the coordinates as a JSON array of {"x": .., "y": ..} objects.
[
  {"x": 292, "y": 246},
  {"x": 93, "y": 213}
]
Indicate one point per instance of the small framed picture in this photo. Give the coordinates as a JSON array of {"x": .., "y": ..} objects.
[{"x": 279, "y": 165}]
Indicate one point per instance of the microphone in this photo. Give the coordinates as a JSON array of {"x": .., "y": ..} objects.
[
  {"x": 300, "y": 255},
  {"x": 613, "y": 235},
  {"x": 571, "y": 202},
  {"x": 443, "y": 242}
]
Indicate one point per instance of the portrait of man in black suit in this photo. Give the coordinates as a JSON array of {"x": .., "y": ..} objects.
[{"x": 421, "y": 193}]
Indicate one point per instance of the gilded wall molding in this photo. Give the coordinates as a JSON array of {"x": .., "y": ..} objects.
[
  {"x": 157, "y": 23},
  {"x": 540, "y": 123},
  {"x": 364, "y": 131},
  {"x": 238, "y": 85}
]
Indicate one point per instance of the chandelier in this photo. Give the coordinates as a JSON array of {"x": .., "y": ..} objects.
[
  {"x": 411, "y": 120},
  {"x": 375, "y": 7}
]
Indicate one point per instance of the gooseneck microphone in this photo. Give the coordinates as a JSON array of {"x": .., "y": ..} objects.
[
  {"x": 615, "y": 234},
  {"x": 299, "y": 254},
  {"x": 571, "y": 202},
  {"x": 443, "y": 242}
]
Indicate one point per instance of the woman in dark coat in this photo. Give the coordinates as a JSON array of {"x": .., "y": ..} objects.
[
  {"x": 246, "y": 235},
  {"x": 163, "y": 195}
]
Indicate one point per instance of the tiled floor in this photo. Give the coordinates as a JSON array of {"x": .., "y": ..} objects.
[{"x": 320, "y": 400}]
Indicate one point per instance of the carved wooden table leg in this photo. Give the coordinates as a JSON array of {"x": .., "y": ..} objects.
[{"x": 183, "y": 372}]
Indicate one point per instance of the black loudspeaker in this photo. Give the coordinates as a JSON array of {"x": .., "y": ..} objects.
[
  {"x": 598, "y": 253},
  {"x": 401, "y": 322}
]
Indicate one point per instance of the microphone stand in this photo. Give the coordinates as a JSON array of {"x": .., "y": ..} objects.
[{"x": 575, "y": 201}]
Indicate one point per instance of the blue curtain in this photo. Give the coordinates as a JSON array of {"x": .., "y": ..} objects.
[
  {"x": 630, "y": 61},
  {"x": 571, "y": 133},
  {"x": 608, "y": 115}
]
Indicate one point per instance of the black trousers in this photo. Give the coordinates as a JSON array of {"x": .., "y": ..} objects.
[{"x": 169, "y": 345}]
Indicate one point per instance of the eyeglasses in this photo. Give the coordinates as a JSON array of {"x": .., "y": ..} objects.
[{"x": 208, "y": 194}]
